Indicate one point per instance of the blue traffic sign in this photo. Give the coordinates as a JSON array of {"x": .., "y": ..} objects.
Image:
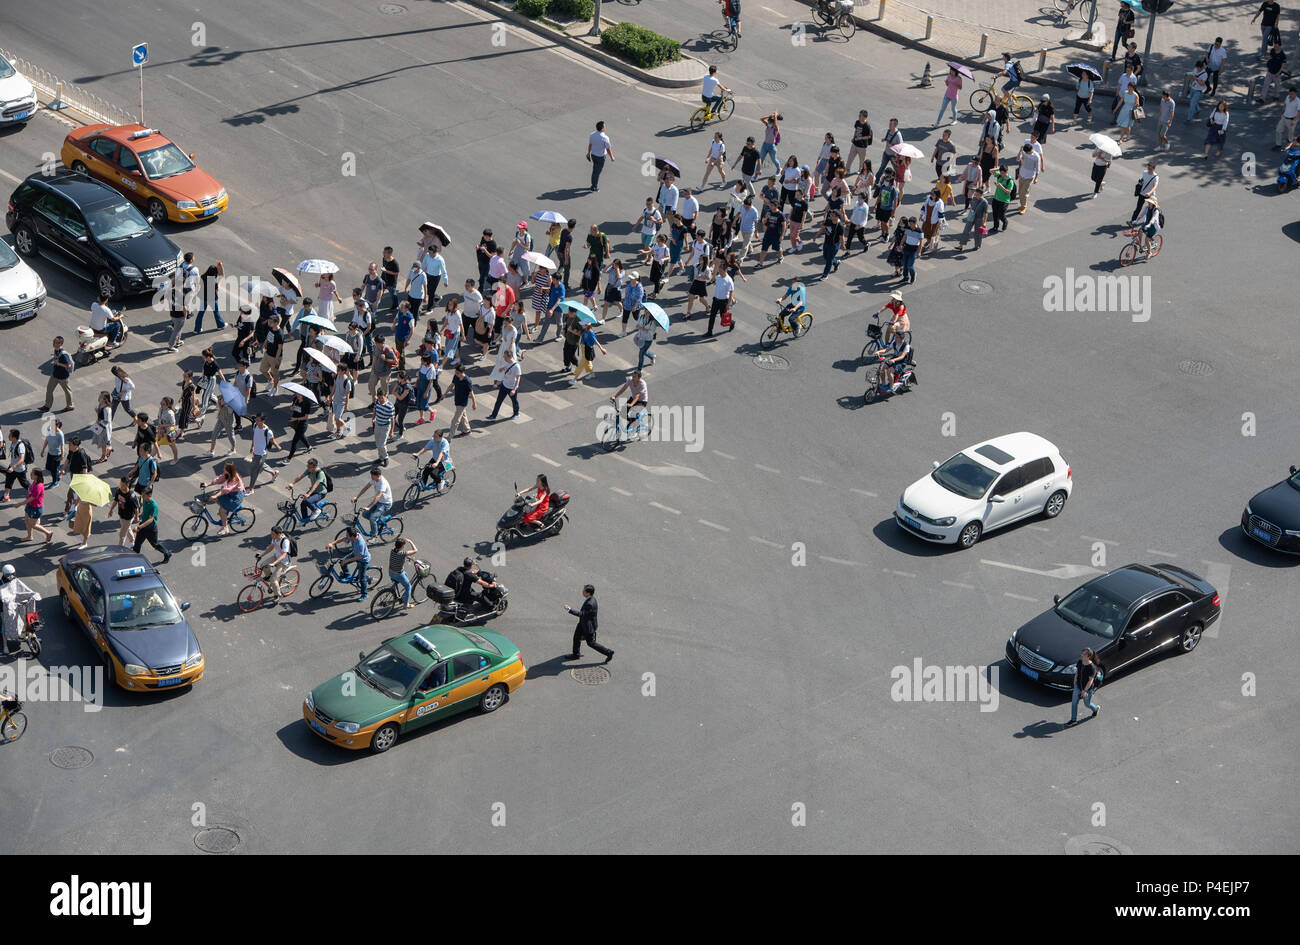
[{"x": 139, "y": 54}]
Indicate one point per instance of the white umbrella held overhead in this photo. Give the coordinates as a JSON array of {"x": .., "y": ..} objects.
[
  {"x": 907, "y": 150},
  {"x": 321, "y": 358},
  {"x": 233, "y": 398},
  {"x": 1106, "y": 144},
  {"x": 549, "y": 216},
  {"x": 432, "y": 228},
  {"x": 537, "y": 259},
  {"x": 337, "y": 343},
  {"x": 324, "y": 324},
  {"x": 260, "y": 288},
  {"x": 317, "y": 266},
  {"x": 293, "y": 388},
  {"x": 657, "y": 313}
]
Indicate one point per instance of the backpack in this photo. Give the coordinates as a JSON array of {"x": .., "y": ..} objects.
[
  {"x": 1013, "y": 69},
  {"x": 70, "y": 364},
  {"x": 1162, "y": 218},
  {"x": 293, "y": 547},
  {"x": 29, "y": 454},
  {"x": 329, "y": 483}
]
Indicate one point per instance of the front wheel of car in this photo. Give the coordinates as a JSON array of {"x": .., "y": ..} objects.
[
  {"x": 157, "y": 211},
  {"x": 1055, "y": 502},
  {"x": 80, "y": 168},
  {"x": 970, "y": 534},
  {"x": 493, "y": 699},
  {"x": 385, "y": 737},
  {"x": 24, "y": 240},
  {"x": 1191, "y": 636},
  {"x": 65, "y": 604},
  {"x": 106, "y": 283}
]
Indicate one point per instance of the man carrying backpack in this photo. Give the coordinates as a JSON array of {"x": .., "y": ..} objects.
[
  {"x": 20, "y": 454},
  {"x": 319, "y": 485},
  {"x": 278, "y": 558},
  {"x": 61, "y": 367}
]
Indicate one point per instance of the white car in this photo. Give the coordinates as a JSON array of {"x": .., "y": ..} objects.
[
  {"x": 17, "y": 97},
  {"x": 987, "y": 486},
  {"x": 22, "y": 293}
]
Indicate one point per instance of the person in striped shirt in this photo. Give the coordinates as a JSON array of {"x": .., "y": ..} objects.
[{"x": 384, "y": 411}]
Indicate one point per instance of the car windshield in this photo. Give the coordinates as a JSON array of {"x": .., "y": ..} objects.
[
  {"x": 6, "y": 70},
  {"x": 8, "y": 258},
  {"x": 1094, "y": 611},
  {"x": 389, "y": 671},
  {"x": 167, "y": 161},
  {"x": 142, "y": 607},
  {"x": 116, "y": 221},
  {"x": 964, "y": 476}
]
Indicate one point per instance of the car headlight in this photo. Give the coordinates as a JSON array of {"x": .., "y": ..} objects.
[
  {"x": 187, "y": 205},
  {"x": 311, "y": 703},
  {"x": 350, "y": 728},
  {"x": 131, "y": 272},
  {"x": 221, "y": 194},
  {"x": 193, "y": 661},
  {"x": 945, "y": 522},
  {"x": 1292, "y": 533},
  {"x": 1249, "y": 510},
  {"x": 135, "y": 669},
  {"x": 180, "y": 257},
  {"x": 1014, "y": 635}
]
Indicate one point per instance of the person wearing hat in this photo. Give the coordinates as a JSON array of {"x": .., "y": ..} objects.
[
  {"x": 633, "y": 296},
  {"x": 898, "y": 320},
  {"x": 1045, "y": 119},
  {"x": 1148, "y": 221},
  {"x": 522, "y": 243}
]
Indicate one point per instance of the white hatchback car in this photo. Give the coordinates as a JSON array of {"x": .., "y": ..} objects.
[
  {"x": 22, "y": 293},
  {"x": 985, "y": 487},
  {"x": 17, "y": 97}
]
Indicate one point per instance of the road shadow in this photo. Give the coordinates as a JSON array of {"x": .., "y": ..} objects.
[
  {"x": 1292, "y": 230},
  {"x": 890, "y": 534},
  {"x": 551, "y": 667},
  {"x": 566, "y": 193},
  {"x": 1238, "y": 545},
  {"x": 1059, "y": 204},
  {"x": 850, "y": 401}
]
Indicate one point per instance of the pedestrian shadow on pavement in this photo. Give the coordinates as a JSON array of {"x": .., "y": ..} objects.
[
  {"x": 567, "y": 193},
  {"x": 1059, "y": 204},
  {"x": 1293, "y": 230},
  {"x": 1042, "y": 729},
  {"x": 552, "y": 667}
]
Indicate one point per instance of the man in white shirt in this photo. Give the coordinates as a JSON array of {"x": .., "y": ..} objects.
[
  {"x": 1028, "y": 174},
  {"x": 1215, "y": 57},
  {"x": 711, "y": 90},
  {"x": 1037, "y": 145},
  {"x": 383, "y": 500},
  {"x": 723, "y": 289},
  {"x": 416, "y": 285},
  {"x": 598, "y": 148},
  {"x": 263, "y": 439},
  {"x": 668, "y": 196},
  {"x": 278, "y": 559},
  {"x": 1284, "y": 134},
  {"x": 690, "y": 207},
  {"x": 103, "y": 321}
]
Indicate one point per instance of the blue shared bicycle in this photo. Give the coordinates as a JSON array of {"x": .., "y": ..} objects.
[
  {"x": 292, "y": 518},
  {"x": 388, "y": 527},
  {"x": 238, "y": 520}
]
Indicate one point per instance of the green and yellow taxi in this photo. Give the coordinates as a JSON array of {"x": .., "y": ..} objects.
[
  {"x": 131, "y": 618},
  {"x": 412, "y": 680}
]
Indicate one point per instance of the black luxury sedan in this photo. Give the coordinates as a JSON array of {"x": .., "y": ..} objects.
[
  {"x": 1125, "y": 615},
  {"x": 91, "y": 231},
  {"x": 1273, "y": 516}
]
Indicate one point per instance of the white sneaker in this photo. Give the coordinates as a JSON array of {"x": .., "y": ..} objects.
[{"x": 230, "y": 452}]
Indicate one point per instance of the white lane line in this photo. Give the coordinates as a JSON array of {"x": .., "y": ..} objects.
[
  {"x": 7, "y": 176},
  {"x": 554, "y": 401},
  {"x": 210, "y": 98},
  {"x": 707, "y": 524},
  {"x": 1032, "y": 600},
  {"x": 515, "y": 445},
  {"x": 899, "y": 573},
  {"x": 767, "y": 468},
  {"x": 574, "y": 472},
  {"x": 1040, "y": 528},
  {"x": 966, "y": 587},
  {"x": 1102, "y": 540},
  {"x": 869, "y": 495},
  {"x": 656, "y": 505},
  {"x": 549, "y": 462},
  {"x": 764, "y": 541},
  {"x": 815, "y": 482},
  {"x": 715, "y": 452},
  {"x": 1063, "y": 571},
  {"x": 619, "y": 491},
  {"x": 852, "y": 564},
  {"x": 1161, "y": 554}
]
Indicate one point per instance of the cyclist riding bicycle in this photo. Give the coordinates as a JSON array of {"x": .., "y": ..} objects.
[
  {"x": 791, "y": 310},
  {"x": 311, "y": 502},
  {"x": 360, "y": 555},
  {"x": 639, "y": 399},
  {"x": 731, "y": 11},
  {"x": 440, "y": 449},
  {"x": 1147, "y": 223},
  {"x": 278, "y": 559},
  {"x": 381, "y": 503},
  {"x": 1010, "y": 69},
  {"x": 712, "y": 90},
  {"x": 898, "y": 318}
]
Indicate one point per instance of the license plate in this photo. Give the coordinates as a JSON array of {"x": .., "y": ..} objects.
[
  {"x": 1031, "y": 673},
  {"x": 1263, "y": 535},
  {"x": 912, "y": 522},
  {"x": 316, "y": 726},
  {"x": 173, "y": 681},
  {"x": 20, "y": 116},
  {"x": 211, "y": 210}
]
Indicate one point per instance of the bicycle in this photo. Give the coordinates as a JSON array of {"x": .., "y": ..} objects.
[
  {"x": 12, "y": 721},
  {"x": 875, "y": 339},
  {"x": 387, "y": 527},
  {"x": 778, "y": 326},
  {"x": 322, "y": 585},
  {"x": 238, "y": 520},
  {"x": 389, "y": 601},
  {"x": 252, "y": 595},
  {"x": 1065, "y": 7},
  {"x": 1021, "y": 105},
  {"x": 1140, "y": 243},
  {"x": 418, "y": 487},
  {"x": 29, "y": 626},
  {"x": 836, "y": 13},
  {"x": 639, "y": 429},
  {"x": 292, "y": 519},
  {"x": 705, "y": 113}
]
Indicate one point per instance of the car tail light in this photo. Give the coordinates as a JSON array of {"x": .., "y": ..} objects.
[
  {"x": 11, "y": 206},
  {"x": 1215, "y": 602},
  {"x": 1068, "y": 471}
]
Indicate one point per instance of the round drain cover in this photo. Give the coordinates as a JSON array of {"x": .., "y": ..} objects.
[
  {"x": 1090, "y": 844},
  {"x": 590, "y": 675},
  {"x": 388, "y": 9},
  {"x": 975, "y": 287},
  {"x": 71, "y": 757},
  {"x": 1196, "y": 368},
  {"x": 216, "y": 840},
  {"x": 773, "y": 85},
  {"x": 771, "y": 362}
]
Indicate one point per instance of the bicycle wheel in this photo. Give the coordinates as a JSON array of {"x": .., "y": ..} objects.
[
  {"x": 725, "y": 109},
  {"x": 419, "y": 592},
  {"x": 250, "y": 598},
  {"x": 34, "y": 644},
  {"x": 1062, "y": 6},
  {"x": 1128, "y": 254},
  {"x": 768, "y": 338},
  {"x": 1157, "y": 244},
  {"x": 647, "y": 424},
  {"x": 391, "y": 530},
  {"x": 448, "y": 480},
  {"x": 289, "y": 583},
  {"x": 385, "y": 604},
  {"x": 847, "y": 26},
  {"x": 287, "y": 523},
  {"x": 981, "y": 100},
  {"x": 411, "y": 497},
  {"x": 699, "y": 118},
  {"x": 822, "y": 15},
  {"x": 803, "y": 325},
  {"x": 329, "y": 512},
  {"x": 242, "y": 519},
  {"x": 196, "y": 526},
  {"x": 374, "y": 576},
  {"x": 338, "y": 552},
  {"x": 321, "y": 586},
  {"x": 14, "y": 727},
  {"x": 610, "y": 440},
  {"x": 1022, "y": 106},
  {"x": 869, "y": 349}
]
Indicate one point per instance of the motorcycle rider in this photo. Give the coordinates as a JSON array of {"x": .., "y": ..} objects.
[
  {"x": 104, "y": 322},
  {"x": 893, "y": 361},
  {"x": 536, "y": 507},
  {"x": 439, "y": 448},
  {"x": 470, "y": 585}
]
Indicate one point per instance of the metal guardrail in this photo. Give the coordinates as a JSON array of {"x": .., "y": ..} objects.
[{"x": 62, "y": 94}]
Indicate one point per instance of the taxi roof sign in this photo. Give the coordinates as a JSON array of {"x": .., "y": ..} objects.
[
  {"x": 142, "y": 133},
  {"x": 420, "y": 642},
  {"x": 130, "y": 572}
]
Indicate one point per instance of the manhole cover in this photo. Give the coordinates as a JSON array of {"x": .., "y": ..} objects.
[
  {"x": 1196, "y": 368},
  {"x": 71, "y": 757},
  {"x": 216, "y": 840},
  {"x": 1091, "y": 844},
  {"x": 975, "y": 287},
  {"x": 388, "y": 9},
  {"x": 590, "y": 675},
  {"x": 771, "y": 362},
  {"x": 773, "y": 85}
]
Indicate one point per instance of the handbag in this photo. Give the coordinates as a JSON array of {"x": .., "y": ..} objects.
[
  {"x": 726, "y": 318},
  {"x": 982, "y": 230},
  {"x": 1139, "y": 113},
  {"x": 1137, "y": 189}
]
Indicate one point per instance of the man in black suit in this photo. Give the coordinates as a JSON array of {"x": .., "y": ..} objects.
[{"x": 586, "y": 628}]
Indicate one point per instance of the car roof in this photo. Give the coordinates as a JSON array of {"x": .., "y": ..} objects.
[
  {"x": 447, "y": 641},
  {"x": 83, "y": 191},
  {"x": 105, "y": 563},
  {"x": 1019, "y": 447},
  {"x": 122, "y": 135},
  {"x": 1133, "y": 582}
]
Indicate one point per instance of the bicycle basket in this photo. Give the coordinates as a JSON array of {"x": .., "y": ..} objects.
[
  {"x": 196, "y": 507},
  {"x": 252, "y": 573},
  {"x": 11, "y": 705},
  {"x": 422, "y": 568},
  {"x": 413, "y": 474}
]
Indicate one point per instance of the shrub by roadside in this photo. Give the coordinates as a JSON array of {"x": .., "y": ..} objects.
[{"x": 640, "y": 46}]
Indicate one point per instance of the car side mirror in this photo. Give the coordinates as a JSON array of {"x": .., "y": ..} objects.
[
  {"x": 82, "y": 238},
  {"x": 361, "y": 655},
  {"x": 996, "y": 498},
  {"x": 935, "y": 464},
  {"x": 1056, "y": 598},
  {"x": 185, "y": 606},
  {"x": 97, "y": 621},
  {"x": 1293, "y": 470},
  {"x": 192, "y": 156}
]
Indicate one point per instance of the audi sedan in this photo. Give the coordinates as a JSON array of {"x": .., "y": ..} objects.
[
  {"x": 1127, "y": 615},
  {"x": 1272, "y": 517}
]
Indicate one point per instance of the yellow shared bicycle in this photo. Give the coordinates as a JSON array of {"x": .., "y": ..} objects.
[
  {"x": 704, "y": 114},
  {"x": 1021, "y": 105}
]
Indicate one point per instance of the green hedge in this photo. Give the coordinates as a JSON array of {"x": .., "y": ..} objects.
[
  {"x": 574, "y": 9},
  {"x": 640, "y": 46},
  {"x": 535, "y": 9}
]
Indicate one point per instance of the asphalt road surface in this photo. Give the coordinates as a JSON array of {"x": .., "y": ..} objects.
[{"x": 756, "y": 590}]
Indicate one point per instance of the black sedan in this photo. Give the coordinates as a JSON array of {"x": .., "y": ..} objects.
[
  {"x": 1273, "y": 516},
  {"x": 1126, "y": 615}
]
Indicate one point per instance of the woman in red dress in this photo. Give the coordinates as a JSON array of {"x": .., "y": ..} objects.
[{"x": 536, "y": 507}]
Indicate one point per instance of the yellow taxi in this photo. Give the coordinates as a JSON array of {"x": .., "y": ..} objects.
[{"x": 149, "y": 169}]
